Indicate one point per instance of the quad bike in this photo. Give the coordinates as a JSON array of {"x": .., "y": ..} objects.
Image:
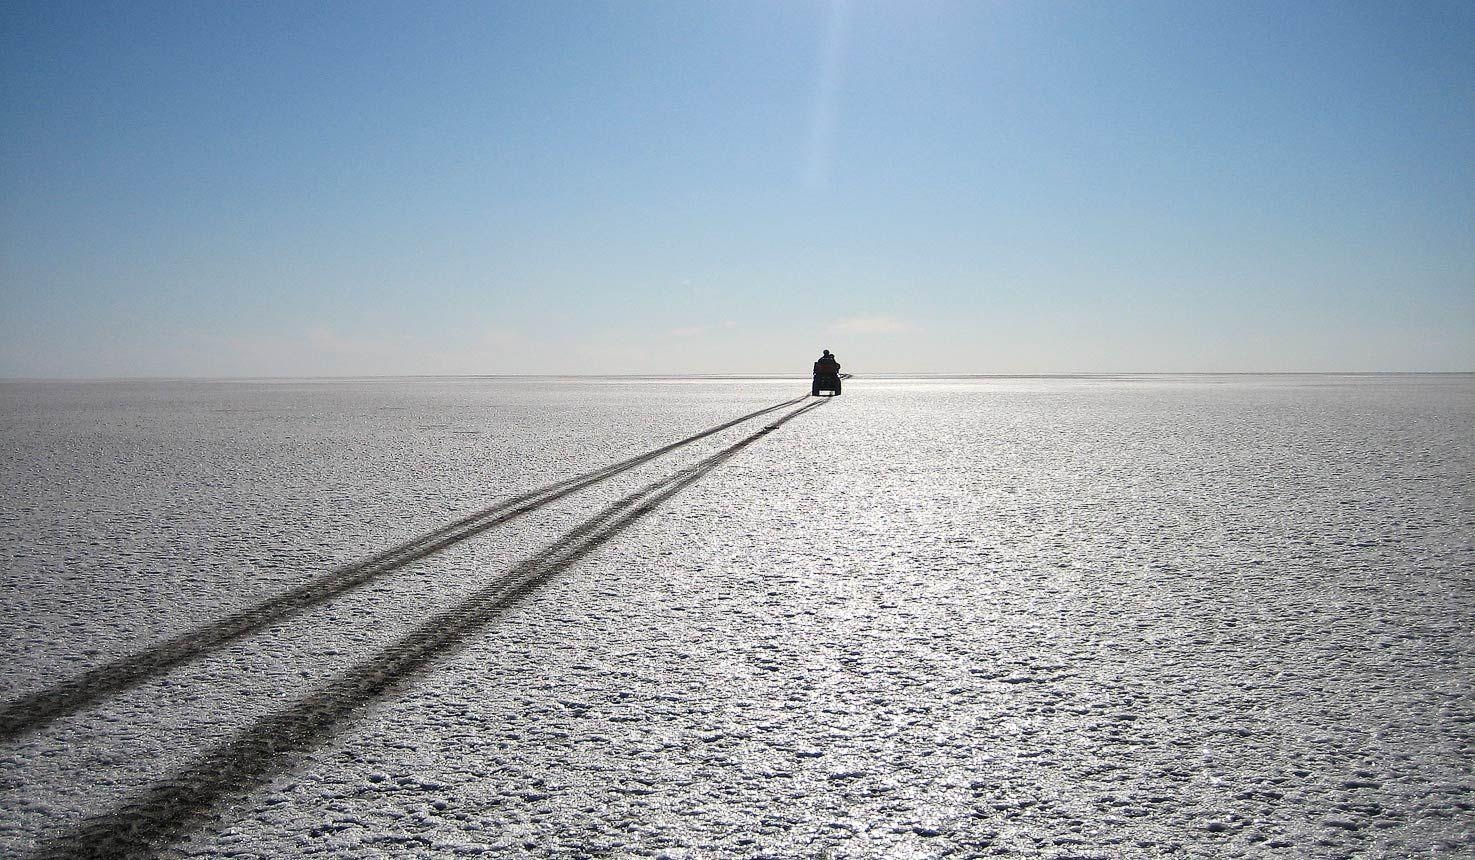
[{"x": 827, "y": 381}]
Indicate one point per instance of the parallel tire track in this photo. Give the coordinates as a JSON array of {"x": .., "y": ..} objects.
[
  {"x": 179, "y": 803},
  {"x": 36, "y": 710}
]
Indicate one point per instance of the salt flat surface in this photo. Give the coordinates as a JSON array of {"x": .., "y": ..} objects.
[{"x": 1097, "y": 617}]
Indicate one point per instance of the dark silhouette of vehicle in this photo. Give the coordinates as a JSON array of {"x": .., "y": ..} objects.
[{"x": 826, "y": 376}]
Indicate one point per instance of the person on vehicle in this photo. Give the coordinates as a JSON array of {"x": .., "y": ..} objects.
[{"x": 826, "y": 371}]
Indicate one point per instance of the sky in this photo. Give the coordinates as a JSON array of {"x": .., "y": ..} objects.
[{"x": 329, "y": 189}]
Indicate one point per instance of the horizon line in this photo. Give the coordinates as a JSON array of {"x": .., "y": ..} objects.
[{"x": 725, "y": 376}]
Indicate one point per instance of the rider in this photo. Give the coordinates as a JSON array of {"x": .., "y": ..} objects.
[{"x": 827, "y": 366}]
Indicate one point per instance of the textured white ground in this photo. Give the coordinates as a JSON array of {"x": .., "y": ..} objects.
[{"x": 1147, "y": 617}]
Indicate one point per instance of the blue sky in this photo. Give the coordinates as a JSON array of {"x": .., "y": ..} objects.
[{"x": 336, "y": 189}]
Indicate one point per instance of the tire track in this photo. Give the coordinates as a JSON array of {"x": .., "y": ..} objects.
[
  {"x": 179, "y": 803},
  {"x": 32, "y": 712}
]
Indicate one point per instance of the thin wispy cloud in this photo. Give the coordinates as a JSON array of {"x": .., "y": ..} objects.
[
  {"x": 872, "y": 325},
  {"x": 697, "y": 330},
  {"x": 330, "y": 342}
]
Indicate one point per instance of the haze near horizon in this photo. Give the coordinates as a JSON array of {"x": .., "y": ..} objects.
[{"x": 490, "y": 188}]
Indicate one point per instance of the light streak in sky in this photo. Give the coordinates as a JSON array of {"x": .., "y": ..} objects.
[{"x": 819, "y": 153}]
